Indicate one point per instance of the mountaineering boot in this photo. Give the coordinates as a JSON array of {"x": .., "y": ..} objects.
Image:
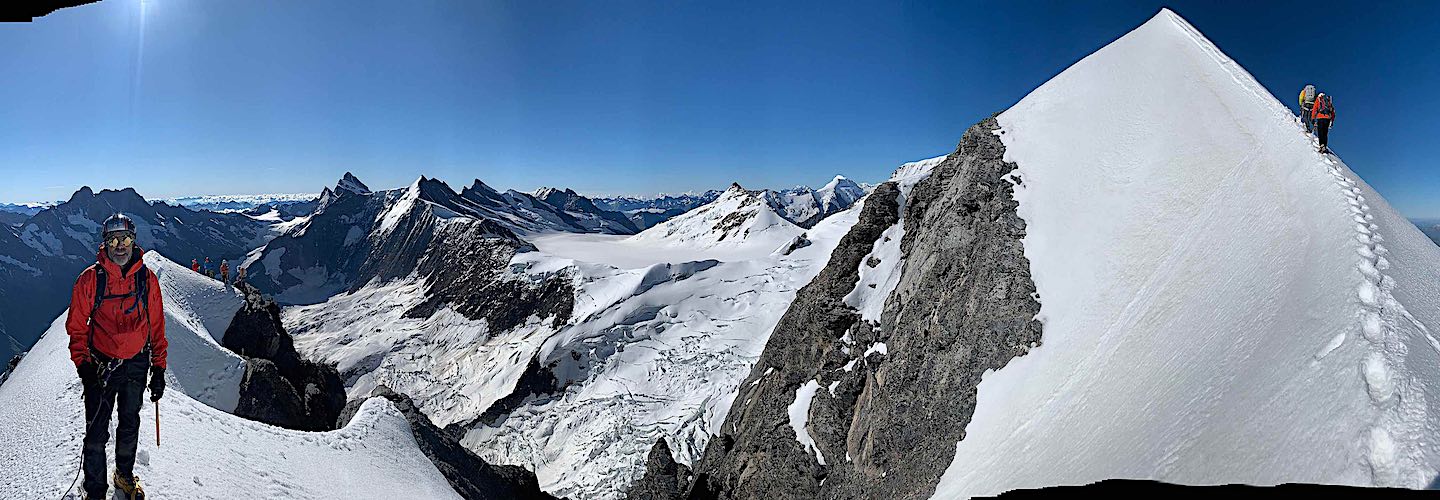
[{"x": 130, "y": 487}]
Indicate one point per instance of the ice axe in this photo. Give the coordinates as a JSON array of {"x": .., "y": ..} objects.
[{"x": 157, "y": 424}]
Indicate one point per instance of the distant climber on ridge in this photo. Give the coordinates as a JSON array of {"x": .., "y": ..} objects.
[
  {"x": 1324, "y": 112},
  {"x": 224, "y": 270},
  {"x": 195, "y": 265},
  {"x": 1307, "y": 100},
  {"x": 116, "y": 325}
]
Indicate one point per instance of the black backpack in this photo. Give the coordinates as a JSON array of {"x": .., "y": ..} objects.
[{"x": 1324, "y": 106}]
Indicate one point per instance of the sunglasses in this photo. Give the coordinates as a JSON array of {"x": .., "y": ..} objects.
[{"x": 120, "y": 240}]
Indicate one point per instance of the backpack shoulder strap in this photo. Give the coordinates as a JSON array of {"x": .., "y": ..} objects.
[
  {"x": 142, "y": 290},
  {"x": 100, "y": 280}
]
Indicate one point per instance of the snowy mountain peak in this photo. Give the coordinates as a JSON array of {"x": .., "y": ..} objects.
[
  {"x": 738, "y": 218},
  {"x": 352, "y": 184},
  {"x": 1237, "y": 262},
  {"x": 484, "y": 188},
  {"x": 839, "y": 181},
  {"x": 435, "y": 191}
]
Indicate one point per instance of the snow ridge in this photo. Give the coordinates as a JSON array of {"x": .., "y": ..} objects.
[
  {"x": 1382, "y": 318},
  {"x": 1209, "y": 266}
]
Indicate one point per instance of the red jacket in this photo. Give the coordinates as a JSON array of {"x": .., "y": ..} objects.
[{"x": 116, "y": 333}]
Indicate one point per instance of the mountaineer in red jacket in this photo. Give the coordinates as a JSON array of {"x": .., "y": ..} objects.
[{"x": 117, "y": 334}]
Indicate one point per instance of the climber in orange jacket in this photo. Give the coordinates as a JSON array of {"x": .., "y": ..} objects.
[{"x": 117, "y": 334}]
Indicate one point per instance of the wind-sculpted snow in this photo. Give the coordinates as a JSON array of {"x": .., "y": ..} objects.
[
  {"x": 206, "y": 452},
  {"x": 1220, "y": 303}
]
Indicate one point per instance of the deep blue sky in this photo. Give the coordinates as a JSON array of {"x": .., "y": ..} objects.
[{"x": 234, "y": 97}]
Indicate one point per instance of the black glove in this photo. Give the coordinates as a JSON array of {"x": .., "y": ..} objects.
[
  {"x": 157, "y": 383},
  {"x": 88, "y": 374}
]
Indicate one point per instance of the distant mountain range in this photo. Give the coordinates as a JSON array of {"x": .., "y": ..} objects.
[
  {"x": 238, "y": 202},
  {"x": 1431, "y": 228}
]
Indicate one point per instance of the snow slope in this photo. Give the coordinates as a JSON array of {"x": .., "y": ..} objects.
[
  {"x": 197, "y": 312},
  {"x": 206, "y": 452},
  {"x": 1220, "y": 303}
]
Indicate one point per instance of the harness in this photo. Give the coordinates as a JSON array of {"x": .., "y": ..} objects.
[{"x": 141, "y": 292}]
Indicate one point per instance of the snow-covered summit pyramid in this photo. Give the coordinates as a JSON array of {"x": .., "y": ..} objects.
[
  {"x": 839, "y": 194},
  {"x": 1220, "y": 302},
  {"x": 737, "y": 219},
  {"x": 352, "y": 184}
]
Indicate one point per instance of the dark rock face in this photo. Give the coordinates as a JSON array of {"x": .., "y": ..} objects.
[
  {"x": 12, "y": 218},
  {"x": 665, "y": 479},
  {"x": 266, "y": 396},
  {"x": 472, "y": 477},
  {"x": 646, "y": 219},
  {"x": 887, "y": 427},
  {"x": 762, "y": 458},
  {"x": 10, "y": 367},
  {"x": 466, "y": 272},
  {"x": 569, "y": 202},
  {"x": 454, "y": 242},
  {"x": 279, "y": 388}
]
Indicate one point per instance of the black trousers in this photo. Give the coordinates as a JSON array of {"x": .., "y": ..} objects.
[
  {"x": 123, "y": 391},
  {"x": 1322, "y": 130}
]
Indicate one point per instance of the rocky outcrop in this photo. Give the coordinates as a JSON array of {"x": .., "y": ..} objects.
[
  {"x": 665, "y": 479},
  {"x": 279, "y": 388},
  {"x": 10, "y": 367},
  {"x": 472, "y": 477},
  {"x": 893, "y": 397},
  {"x": 471, "y": 277}
]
